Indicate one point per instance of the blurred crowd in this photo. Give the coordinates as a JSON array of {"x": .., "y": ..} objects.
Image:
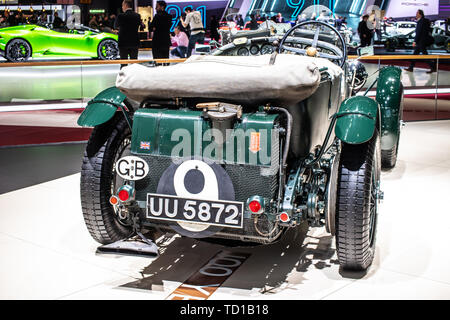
[
  {"x": 373, "y": 27},
  {"x": 369, "y": 26},
  {"x": 102, "y": 22},
  {"x": 10, "y": 19}
]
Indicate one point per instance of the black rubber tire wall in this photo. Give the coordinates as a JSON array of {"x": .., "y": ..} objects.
[
  {"x": 389, "y": 157},
  {"x": 356, "y": 165},
  {"x": 96, "y": 175}
]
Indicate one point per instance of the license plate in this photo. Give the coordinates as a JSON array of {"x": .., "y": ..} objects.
[{"x": 216, "y": 212}]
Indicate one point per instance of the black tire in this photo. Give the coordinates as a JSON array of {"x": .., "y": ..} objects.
[
  {"x": 18, "y": 50},
  {"x": 108, "y": 142},
  {"x": 356, "y": 206},
  {"x": 389, "y": 157},
  {"x": 108, "y": 49}
]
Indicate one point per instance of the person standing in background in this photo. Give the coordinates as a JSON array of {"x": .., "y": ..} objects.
[
  {"x": 33, "y": 18},
  {"x": 112, "y": 19},
  {"x": 8, "y": 19},
  {"x": 338, "y": 23},
  {"x": 106, "y": 26},
  {"x": 300, "y": 18},
  {"x": 279, "y": 18},
  {"x": 57, "y": 21},
  {"x": 371, "y": 26},
  {"x": 253, "y": 24},
  {"x": 194, "y": 21},
  {"x": 160, "y": 26},
  {"x": 42, "y": 18},
  {"x": 240, "y": 21},
  {"x": 93, "y": 24},
  {"x": 20, "y": 19},
  {"x": 422, "y": 40},
  {"x": 128, "y": 24},
  {"x": 213, "y": 26},
  {"x": 377, "y": 22},
  {"x": 365, "y": 34}
]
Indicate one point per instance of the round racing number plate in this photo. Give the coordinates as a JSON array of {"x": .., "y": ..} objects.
[{"x": 196, "y": 179}]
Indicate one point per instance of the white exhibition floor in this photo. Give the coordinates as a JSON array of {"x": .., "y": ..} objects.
[{"x": 47, "y": 253}]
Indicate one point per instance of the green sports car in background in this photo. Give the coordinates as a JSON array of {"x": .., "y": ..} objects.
[{"x": 22, "y": 42}]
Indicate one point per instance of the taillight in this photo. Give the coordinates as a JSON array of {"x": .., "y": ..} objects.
[
  {"x": 284, "y": 217},
  {"x": 255, "y": 204},
  {"x": 113, "y": 200},
  {"x": 123, "y": 195}
]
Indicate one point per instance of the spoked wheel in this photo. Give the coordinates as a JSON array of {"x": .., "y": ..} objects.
[
  {"x": 18, "y": 50},
  {"x": 357, "y": 203},
  {"x": 108, "y": 50},
  {"x": 108, "y": 143}
]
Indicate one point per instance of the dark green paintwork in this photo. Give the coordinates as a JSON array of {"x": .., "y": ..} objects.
[
  {"x": 356, "y": 120},
  {"x": 157, "y": 126},
  {"x": 101, "y": 108},
  {"x": 389, "y": 96}
]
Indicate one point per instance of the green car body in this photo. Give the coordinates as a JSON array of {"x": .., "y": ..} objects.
[
  {"x": 317, "y": 159},
  {"x": 44, "y": 42}
]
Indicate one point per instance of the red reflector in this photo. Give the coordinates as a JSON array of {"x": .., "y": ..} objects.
[
  {"x": 113, "y": 200},
  {"x": 123, "y": 195},
  {"x": 254, "y": 206},
  {"x": 284, "y": 217}
]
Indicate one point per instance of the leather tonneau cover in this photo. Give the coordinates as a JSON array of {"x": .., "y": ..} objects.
[{"x": 244, "y": 80}]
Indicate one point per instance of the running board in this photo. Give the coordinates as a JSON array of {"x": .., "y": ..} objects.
[{"x": 135, "y": 246}]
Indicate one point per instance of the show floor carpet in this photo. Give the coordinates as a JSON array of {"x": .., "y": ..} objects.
[{"x": 47, "y": 252}]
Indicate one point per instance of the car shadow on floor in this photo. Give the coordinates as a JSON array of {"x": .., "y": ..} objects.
[{"x": 266, "y": 270}]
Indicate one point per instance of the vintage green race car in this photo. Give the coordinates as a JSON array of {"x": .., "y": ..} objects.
[
  {"x": 23, "y": 42},
  {"x": 244, "y": 147}
]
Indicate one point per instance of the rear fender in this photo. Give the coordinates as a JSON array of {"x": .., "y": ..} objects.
[
  {"x": 102, "y": 108},
  {"x": 356, "y": 120},
  {"x": 390, "y": 98}
]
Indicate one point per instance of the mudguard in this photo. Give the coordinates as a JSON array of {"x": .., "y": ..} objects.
[
  {"x": 356, "y": 120},
  {"x": 102, "y": 108},
  {"x": 390, "y": 98}
]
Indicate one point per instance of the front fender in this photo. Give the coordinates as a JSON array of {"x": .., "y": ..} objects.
[
  {"x": 102, "y": 108},
  {"x": 390, "y": 98},
  {"x": 356, "y": 120}
]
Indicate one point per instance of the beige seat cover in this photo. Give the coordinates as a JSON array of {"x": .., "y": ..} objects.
[{"x": 243, "y": 79}]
